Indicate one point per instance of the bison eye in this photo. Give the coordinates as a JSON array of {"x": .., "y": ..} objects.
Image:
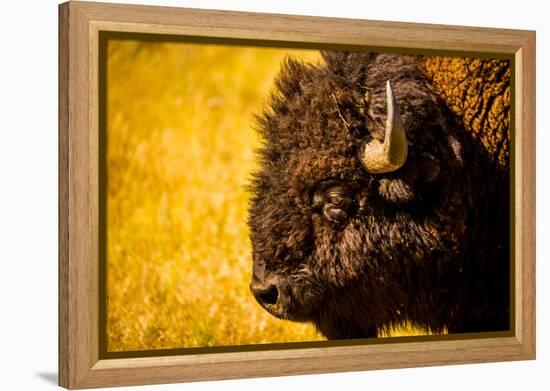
[
  {"x": 334, "y": 198},
  {"x": 334, "y": 214},
  {"x": 337, "y": 206}
]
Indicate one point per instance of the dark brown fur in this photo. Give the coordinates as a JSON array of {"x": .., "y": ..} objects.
[{"x": 427, "y": 243}]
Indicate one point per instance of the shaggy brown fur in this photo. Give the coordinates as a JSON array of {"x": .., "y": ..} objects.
[
  {"x": 478, "y": 92},
  {"x": 354, "y": 252}
]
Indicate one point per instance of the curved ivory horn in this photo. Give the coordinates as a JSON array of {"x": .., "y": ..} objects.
[{"x": 380, "y": 158}]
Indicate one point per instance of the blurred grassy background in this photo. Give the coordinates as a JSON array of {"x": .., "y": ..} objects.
[{"x": 180, "y": 149}]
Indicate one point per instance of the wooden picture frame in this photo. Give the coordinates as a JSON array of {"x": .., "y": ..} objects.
[{"x": 80, "y": 361}]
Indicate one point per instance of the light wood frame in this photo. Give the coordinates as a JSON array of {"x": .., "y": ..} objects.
[{"x": 79, "y": 27}]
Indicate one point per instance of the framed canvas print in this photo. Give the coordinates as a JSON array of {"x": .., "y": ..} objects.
[{"x": 248, "y": 195}]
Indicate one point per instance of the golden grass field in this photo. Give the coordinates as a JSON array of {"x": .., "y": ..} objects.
[{"x": 180, "y": 149}]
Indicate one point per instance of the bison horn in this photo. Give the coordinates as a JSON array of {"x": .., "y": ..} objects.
[{"x": 388, "y": 156}]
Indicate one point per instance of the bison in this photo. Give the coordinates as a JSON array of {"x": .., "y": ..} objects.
[{"x": 377, "y": 201}]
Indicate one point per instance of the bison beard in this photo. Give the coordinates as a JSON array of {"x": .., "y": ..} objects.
[{"x": 355, "y": 249}]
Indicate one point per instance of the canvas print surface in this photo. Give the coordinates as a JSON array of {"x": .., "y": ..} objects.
[{"x": 259, "y": 195}]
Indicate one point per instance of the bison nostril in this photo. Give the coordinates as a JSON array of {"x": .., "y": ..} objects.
[{"x": 270, "y": 295}]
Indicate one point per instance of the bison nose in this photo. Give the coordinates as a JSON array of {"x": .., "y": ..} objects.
[{"x": 264, "y": 293}]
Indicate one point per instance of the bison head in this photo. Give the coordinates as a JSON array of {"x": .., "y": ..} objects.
[{"x": 356, "y": 189}]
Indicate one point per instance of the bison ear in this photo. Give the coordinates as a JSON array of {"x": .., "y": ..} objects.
[
  {"x": 402, "y": 190},
  {"x": 428, "y": 169}
]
